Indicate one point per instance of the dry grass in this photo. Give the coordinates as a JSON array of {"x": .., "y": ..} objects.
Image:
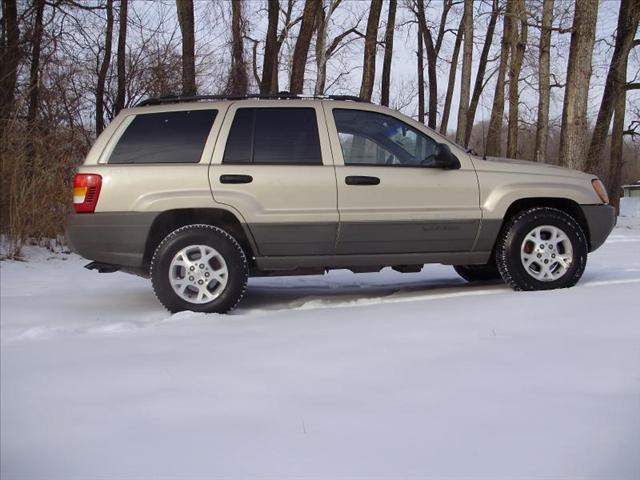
[{"x": 35, "y": 187}]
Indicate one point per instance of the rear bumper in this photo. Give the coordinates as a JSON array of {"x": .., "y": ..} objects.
[
  {"x": 600, "y": 219},
  {"x": 117, "y": 238}
]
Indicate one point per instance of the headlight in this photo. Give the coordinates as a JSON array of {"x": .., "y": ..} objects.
[{"x": 598, "y": 186}]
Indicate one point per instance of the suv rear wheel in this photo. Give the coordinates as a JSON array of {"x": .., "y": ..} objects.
[
  {"x": 199, "y": 268},
  {"x": 541, "y": 248}
]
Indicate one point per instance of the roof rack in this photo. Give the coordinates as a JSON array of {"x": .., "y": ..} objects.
[{"x": 276, "y": 96}]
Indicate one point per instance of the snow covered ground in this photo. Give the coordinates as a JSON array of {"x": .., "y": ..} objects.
[{"x": 341, "y": 376}]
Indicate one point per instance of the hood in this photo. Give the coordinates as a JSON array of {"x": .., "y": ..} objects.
[{"x": 522, "y": 166}]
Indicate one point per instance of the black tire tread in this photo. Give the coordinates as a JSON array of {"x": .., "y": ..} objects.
[
  {"x": 199, "y": 226},
  {"x": 507, "y": 233},
  {"x": 478, "y": 273}
]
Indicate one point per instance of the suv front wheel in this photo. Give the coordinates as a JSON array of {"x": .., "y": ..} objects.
[
  {"x": 199, "y": 268},
  {"x": 541, "y": 248}
]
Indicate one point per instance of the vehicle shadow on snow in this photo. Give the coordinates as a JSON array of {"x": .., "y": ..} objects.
[{"x": 279, "y": 295}]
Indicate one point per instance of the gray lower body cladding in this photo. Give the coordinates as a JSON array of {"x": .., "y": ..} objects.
[
  {"x": 118, "y": 238},
  {"x": 359, "y": 238},
  {"x": 600, "y": 219}
]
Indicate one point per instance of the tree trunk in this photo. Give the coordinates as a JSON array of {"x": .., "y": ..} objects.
[
  {"x": 544, "y": 87},
  {"x": 288, "y": 24},
  {"x": 432, "y": 59},
  {"x": 34, "y": 71},
  {"x": 370, "y": 44},
  {"x": 321, "y": 46},
  {"x": 388, "y": 53},
  {"x": 301, "y": 50},
  {"x": 104, "y": 69},
  {"x": 518, "y": 44},
  {"x": 446, "y": 7},
  {"x": 420, "y": 78},
  {"x": 574, "y": 112},
  {"x": 494, "y": 134},
  {"x": 628, "y": 16},
  {"x": 444, "y": 123},
  {"x": 238, "y": 81},
  {"x": 270, "y": 62},
  {"x": 616, "y": 162},
  {"x": 185, "y": 19},
  {"x": 121, "y": 61},
  {"x": 465, "y": 80},
  {"x": 482, "y": 68},
  {"x": 10, "y": 57}
]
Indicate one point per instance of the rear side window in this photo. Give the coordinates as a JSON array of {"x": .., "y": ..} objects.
[
  {"x": 168, "y": 137},
  {"x": 274, "y": 136}
]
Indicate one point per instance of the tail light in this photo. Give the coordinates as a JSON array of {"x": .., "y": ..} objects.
[{"x": 86, "y": 190}]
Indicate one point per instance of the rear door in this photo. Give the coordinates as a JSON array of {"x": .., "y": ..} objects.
[
  {"x": 390, "y": 199},
  {"x": 273, "y": 165}
]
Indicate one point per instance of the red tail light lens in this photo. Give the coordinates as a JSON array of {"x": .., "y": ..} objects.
[{"x": 86, "y": 190}]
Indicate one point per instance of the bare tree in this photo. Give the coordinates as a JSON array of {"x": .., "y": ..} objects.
[
  {"x": 518, "y": 44},
  {"x": 494, "y": 134},
  {"x": 479, "y": 84},
  {"x": 34, "y": 71},
  {"x": 453, "y": 68},
  {"x": 321, "y": 44},
  {"x": 442, "y": 28},
  {"x": 574, "y": 112},
  {"x": 287, "y": 25},
  {"x": 238, "y": 82},
  {"x": 617, "y": 144},
  {"x": 370, "y": 44},
  {"x": 301, "y": 50},
  {"x": 544, "y": 82},
  {"x": 388, "y": 53},
  {"x": 432, "y": 58},
  {"x": 121, "y": 61},
  {"x": 9, "y": 57},
  {"x": 185, "y": 19},
  {"x": 465, "y": 80},
  {"x": 628, "y": 17},
  {"x": 104, "y": 69},
  {"x": 420, "y": 53},
  {"x": 268, "y": 83}
]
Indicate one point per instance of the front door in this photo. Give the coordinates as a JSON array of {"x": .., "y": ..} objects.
[
  {"x": 273, "y": 166},
  {"x": 390, "y": 199}
]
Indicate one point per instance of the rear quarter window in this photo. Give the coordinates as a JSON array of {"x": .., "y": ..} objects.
[
  {"x": 167, "y": 137},
  {"x": 274, "y": 136}
]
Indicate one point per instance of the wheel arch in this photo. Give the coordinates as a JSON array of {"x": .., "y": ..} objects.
[{"x": 170, "y": 220}]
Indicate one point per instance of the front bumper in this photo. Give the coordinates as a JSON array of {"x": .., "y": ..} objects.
[
  {"x": 116, "y": 238},
  {"x": 600, "y": 219}
]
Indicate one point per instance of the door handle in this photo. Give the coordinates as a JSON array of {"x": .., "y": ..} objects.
[
  {"x": 236, "y": 178},
  {"x": 361, "y": 180}
]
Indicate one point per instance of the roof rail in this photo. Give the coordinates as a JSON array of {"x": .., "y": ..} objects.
[{"x": 276, "y": 96}]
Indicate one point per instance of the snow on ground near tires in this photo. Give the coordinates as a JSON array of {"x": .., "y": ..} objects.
[{"x": 383, "y": 375}]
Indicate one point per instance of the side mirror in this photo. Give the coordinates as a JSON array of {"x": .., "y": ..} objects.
[{"x": 443, "y": 158}]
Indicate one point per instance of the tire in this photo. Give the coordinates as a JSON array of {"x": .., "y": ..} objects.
[
  {"x": 541, "y": 248},
  {"x": 478, "y": 273},
  {"x": 215, "y": 286}
]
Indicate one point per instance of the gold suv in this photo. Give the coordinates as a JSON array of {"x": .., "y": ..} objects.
[{"x": 200, "y": 193}]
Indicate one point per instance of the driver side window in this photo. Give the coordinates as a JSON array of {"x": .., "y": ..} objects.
[{"x": 371, "y": 138}]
